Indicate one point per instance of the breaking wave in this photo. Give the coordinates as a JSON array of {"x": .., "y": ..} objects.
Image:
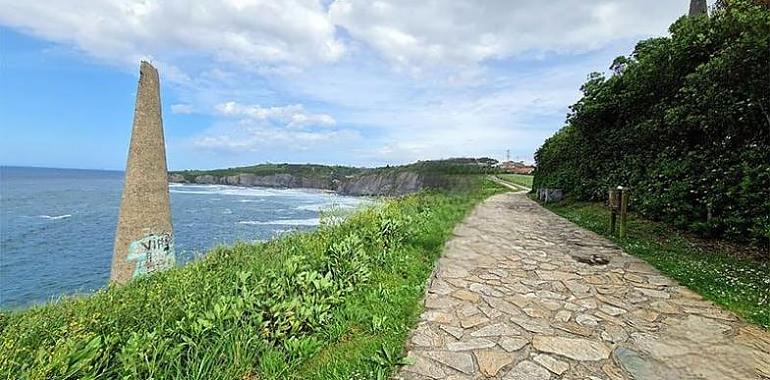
[
  {"x": 242, "y": 191},
  {"x": 48, "y": 217}
]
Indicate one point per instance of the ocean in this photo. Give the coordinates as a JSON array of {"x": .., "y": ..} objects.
[{"x": 57, "y": 225}]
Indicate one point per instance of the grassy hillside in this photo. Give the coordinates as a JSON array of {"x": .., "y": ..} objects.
[
  {"x": 336, "y": 303},
  {"x": 519, "y": 179}
]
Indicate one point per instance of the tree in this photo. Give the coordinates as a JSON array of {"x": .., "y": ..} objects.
[{"x": 685, "y": 121}]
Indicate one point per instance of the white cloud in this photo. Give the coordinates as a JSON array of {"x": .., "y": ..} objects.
[
  {"x": 466, "y": 32},
  {"x": 291, "y": 116},
  {"x": 272, "y": 35},
  {"x": 245, "y": 32},
  {"x": 182, "y": 108},
  {"x": 252, "y": 137},
  {"x": 406, "y": 119},
  {"x": 257, "y": 128},
  {"x": 485, "y": 75}
]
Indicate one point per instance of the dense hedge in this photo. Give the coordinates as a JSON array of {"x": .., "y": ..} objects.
[{"x": 684, "y": 121}]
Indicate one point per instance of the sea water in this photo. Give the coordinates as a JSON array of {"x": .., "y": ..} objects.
[{"x": 57, "y": 225}]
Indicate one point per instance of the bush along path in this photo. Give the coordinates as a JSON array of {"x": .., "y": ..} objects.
[
  {"x": 521, "y": 293},
  {"x": 684, "y": 121},
  {"x": 337, "y": 303}
]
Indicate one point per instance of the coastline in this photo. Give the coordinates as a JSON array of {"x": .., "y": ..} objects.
[
  {"x": 42, "y": 206},
  {"x": 374, "y": 184}
]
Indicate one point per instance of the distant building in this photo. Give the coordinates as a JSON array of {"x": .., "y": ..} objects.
[{"x": 514, "y": 167}]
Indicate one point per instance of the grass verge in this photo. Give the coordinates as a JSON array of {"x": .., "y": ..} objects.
[
  {"x": 518, "y": 179},
  {"x": 337, "y": 303},
  {"x": 737, "y": 282}
]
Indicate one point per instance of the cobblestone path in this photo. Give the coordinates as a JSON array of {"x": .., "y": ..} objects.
[{"x": 521, "y": 293}]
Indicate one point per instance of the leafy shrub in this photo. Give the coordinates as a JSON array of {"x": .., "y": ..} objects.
[{"x": 684, "y": 121}]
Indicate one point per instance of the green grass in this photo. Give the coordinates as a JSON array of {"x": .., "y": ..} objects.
[
  {"x": 518, "y": 179},
  {"x": 739, "y": 283},
  {"x": 337, "y": 303}
]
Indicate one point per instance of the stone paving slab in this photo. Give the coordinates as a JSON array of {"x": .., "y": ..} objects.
[{"x": 510, "y": 300}]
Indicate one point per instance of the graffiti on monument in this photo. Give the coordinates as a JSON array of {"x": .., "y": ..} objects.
[{"x": 152, "y": 253}]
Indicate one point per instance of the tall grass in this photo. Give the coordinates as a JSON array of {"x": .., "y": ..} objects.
[{"x": 336, "y": 303}]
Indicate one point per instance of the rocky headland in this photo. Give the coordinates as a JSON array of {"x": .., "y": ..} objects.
[
  {"x": 345, "y": 180},
  {"x": 375, "y": 184}
]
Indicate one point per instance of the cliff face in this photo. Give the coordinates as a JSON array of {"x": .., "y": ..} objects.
[
  {"x": 273, "y": 180},
  {"x": 176, "y": 178},
  {"x": 397, "y": 183},
  {"x": 391, "y": 184}
]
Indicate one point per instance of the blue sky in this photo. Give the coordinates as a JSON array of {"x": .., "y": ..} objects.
[{"x": 353, "y": 82}]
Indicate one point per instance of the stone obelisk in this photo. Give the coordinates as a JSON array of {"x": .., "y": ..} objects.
[
  {"x": 144, "y": 240},
  {"x": 698, "y": 7}
]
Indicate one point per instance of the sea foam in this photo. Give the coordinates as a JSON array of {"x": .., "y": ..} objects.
[{"x": 49, "y": 217}]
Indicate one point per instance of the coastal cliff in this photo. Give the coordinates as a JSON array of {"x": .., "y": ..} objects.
[
  {"x": 345, "y": 180},
  {"x": 249, "y": 180},
  {"x": 375, "y": 184}
]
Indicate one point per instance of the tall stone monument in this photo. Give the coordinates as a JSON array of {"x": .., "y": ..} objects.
[
  {"x": 144, "y": 240},
  {"x": 698, "y": 7}
]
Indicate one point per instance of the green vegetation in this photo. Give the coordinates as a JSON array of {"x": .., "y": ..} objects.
[
  {"x": 299, "y": 170},
  {"x": 438, "y": 167},
  {"x": 685, "y": 122},
  {"x": 518, "y": 179},
  {"x": 449, "y": 166},
  {"x": 739, "y": 281},
  {"x": 337, "y": 303}
]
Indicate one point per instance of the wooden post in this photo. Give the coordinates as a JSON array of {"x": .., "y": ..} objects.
[
  {"x": 613, "y": 202},
  {"x": 624, "y": 194}
]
